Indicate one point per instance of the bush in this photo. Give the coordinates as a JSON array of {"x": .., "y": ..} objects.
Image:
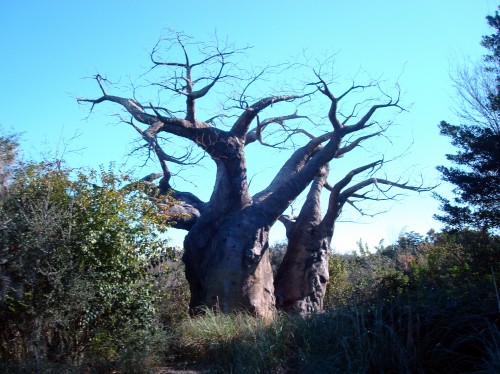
[{"x": 75, "y": 288}]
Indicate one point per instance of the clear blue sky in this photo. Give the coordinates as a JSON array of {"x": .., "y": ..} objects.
[{"x": 49, "y": 46}]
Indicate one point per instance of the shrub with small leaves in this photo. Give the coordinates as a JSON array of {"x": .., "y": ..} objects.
[{"x": 74, "y": 250}]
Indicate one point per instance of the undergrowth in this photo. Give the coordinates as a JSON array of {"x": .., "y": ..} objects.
[{"x": 385, "y": 338}]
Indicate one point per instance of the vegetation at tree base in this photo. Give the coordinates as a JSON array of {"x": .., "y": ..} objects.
[
  {"x": 423, "y": 304},
  {"x": 476, "y": 174}
]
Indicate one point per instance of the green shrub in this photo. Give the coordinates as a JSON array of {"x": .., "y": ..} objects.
[
  {"x": 170, "y": 284},
  {"x": 75, "y": 288}
]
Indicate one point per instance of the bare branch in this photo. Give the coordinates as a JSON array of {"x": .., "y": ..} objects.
[
  {"x": 349, "y": 176},
  {"x": 362, "y": 123},
  {"x": 157, "y": 47},
  {"x": 241, "y": 126},
  {"x": 288, "y": 221},
  {"x": 156, "y": 123},
  {"x": 289, "y": 174},
  {"x": 335, "y": 202},
  {"x": 342, "y": 151},
  {"x": 474, "y": 86},
  {"x": 151, "y": 177},
  {"x": 363, "y": 212},
  {"x": 242, "y": 100},
  {"x": 339, "y": 194},
  {"x": 256, "y": 133},
  {"x": 355, "y": 87},
  {"x": 322, "y": 86}
]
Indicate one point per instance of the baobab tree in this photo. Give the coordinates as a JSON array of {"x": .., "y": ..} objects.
[{"x": 226, "y": 247}]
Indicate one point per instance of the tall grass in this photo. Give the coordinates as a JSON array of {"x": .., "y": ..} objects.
[
  {"x": 386, "y": 338},
  {"x": 235, "y": 343}
]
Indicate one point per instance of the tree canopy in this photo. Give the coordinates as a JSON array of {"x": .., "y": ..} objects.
[{"x": 476, "y": 164}]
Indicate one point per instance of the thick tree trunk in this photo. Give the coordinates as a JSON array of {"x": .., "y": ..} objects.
[
  {"x": 228, "y": 267},
  {"x": 303, "y": 275}
]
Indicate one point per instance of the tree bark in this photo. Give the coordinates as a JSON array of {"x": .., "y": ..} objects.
[
  {"x": 302, "y": 277},
  {"x": 227, "y": 265}
]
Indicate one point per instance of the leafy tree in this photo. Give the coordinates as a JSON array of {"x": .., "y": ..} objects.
[
  {"x": 276, "y": 253},
  {"x": 456, "y": 268},
  {"x": 74, "y": 254},
  {"x": 408, "y": 242},
  {"x": 476, "y": 174}
]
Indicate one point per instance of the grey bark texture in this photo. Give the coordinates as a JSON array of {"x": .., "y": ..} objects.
[
  {"x": 302, "y": 277},
  {"x": 228, "y": 267}
]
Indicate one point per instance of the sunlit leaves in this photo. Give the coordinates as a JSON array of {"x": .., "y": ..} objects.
[{"x": 75, "y": 247}]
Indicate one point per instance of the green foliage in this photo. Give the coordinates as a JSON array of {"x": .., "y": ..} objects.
[
  {"x": 171, "y": 285},
  {"x": 361, "y": 278},
  {"x": 75, "y": 285},
  {"x": 276, "y": 254},
  {"x": 492, "y": 44},
  {"x": 476, "y": 177},
  {"x": 455, "y": 266}
]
